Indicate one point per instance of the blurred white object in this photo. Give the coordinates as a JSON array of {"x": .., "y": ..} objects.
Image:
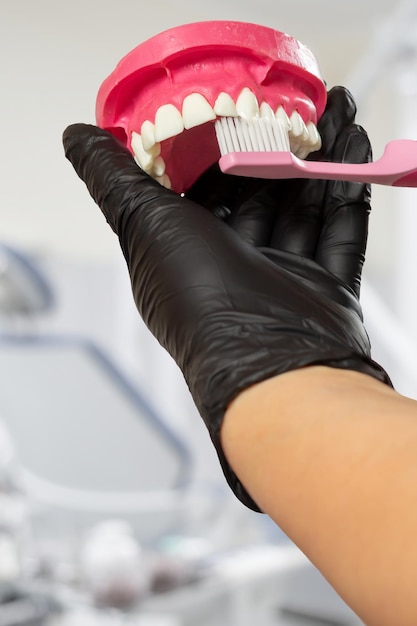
[
  {"x": 113, "y": 565},
  {"x": 14, "y": 517},
  {"x": 180, "y": 561},
  {"x": 8, "y": 462},
  {"x": 262, "y": 585},
  {"x": 81, "y": 617},
  {"x": 9, "y": 559},
  {"x": 92, "y": 617}
]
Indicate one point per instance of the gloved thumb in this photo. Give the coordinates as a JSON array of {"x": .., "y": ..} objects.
[{"x": 107, "y": 168}]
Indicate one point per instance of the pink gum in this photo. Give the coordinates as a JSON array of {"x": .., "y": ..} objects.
[{"x": 210, "y": 57}]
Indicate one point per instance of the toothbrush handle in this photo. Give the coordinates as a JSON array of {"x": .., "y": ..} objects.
[{"x": 397, "y": 166}]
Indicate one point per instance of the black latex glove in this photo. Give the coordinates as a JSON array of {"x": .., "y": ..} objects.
[{"x": 272, "y": 287}]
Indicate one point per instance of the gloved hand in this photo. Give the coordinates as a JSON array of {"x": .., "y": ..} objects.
[{"x": 270, "y": 286}]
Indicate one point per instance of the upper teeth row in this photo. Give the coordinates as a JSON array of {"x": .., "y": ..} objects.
[{"x": 169, "y": 121}]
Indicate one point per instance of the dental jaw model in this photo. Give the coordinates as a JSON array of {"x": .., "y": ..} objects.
[{"x": 164, "y": 97}]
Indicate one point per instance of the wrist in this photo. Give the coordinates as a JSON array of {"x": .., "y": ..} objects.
[
  {"x": 294, "y": 415},
  {"x": 297, "y": 388}
]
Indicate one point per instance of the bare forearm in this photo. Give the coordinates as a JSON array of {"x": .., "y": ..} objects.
[{"x": 331, "y": 456}]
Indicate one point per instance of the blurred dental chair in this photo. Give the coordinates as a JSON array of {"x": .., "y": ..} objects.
[{"x": 89, "y": 443}]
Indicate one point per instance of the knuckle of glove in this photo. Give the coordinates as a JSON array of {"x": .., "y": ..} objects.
[
  {"x": 340, "y": 112},
  {"x": 352, "y": 146},
  {"x": 341, "y": 107}
]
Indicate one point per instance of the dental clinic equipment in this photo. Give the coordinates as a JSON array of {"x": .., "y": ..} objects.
[
  {"x": 257, "y": 90},
  {"x": 397, "y": 167}
]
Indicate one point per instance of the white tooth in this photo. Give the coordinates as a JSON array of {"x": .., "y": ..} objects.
[
  {"x": 314, "y": 139},
  {"x": 294, "y": 145},
  {"x": 196, "y": 110},
  {"x": 147, "y": 132},
  {"x": 303, "y": 152},
  {"x": 224, "y": 105},
  {"x": 247, "y": 104},
  {"x": 143, "y": 159},
  {"x": 148, "y": 142},
  {"x": 158, "y": 167},
  {"x": 298, "y": 128},
  {"x": 282, "y": 116},
  {"x": 164, "y": 181},
  {"x": 266, "y": 111},
  {"x": 156, "y": 150},
  {"x": 168, "y": 122}
]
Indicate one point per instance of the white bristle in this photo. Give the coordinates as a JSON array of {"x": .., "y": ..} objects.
[
  {"x": 244, "y": 129},
  {"x": 220, "y": 136},
  {"x": 271, "y": 136},
  {"x": 264, "y": 128},
  {"x": 241, "y": 135},
  {"x": 258, "y": 124},
  {"x": 254, "y": 136},
  {"x": 264, "y": 134},
  {"x": 281, "y": 132},
  {"x": 233, "y": 134}
]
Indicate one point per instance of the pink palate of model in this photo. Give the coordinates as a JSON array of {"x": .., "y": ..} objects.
[{"x": 164, "y": 96}]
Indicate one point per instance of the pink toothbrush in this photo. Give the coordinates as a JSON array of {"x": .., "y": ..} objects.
[{"x": 257, "y": 149}]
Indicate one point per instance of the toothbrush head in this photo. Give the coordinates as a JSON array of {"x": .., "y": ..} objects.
[{"x": 163, "y": 97}]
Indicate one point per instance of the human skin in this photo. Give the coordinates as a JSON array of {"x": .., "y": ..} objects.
[{"x": 336, "y": 468}]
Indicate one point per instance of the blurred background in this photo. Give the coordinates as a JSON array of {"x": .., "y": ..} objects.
[{"x": 112, "y": 505}]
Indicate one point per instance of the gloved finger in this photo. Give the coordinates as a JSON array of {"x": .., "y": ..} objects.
[
  {"x": 298, "y": 223},
  {"x": 252, "y": 214},
  {"x": 218, "y": 192},
  {"x": 109, "y": 171},
  {"x": 340, "y": 112},
  {"x": 173, "y": 247},
  {"x": 342, "y": 245},
  {"x": 254, "y": 219},
  {"x": 235, "y": 200}
]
